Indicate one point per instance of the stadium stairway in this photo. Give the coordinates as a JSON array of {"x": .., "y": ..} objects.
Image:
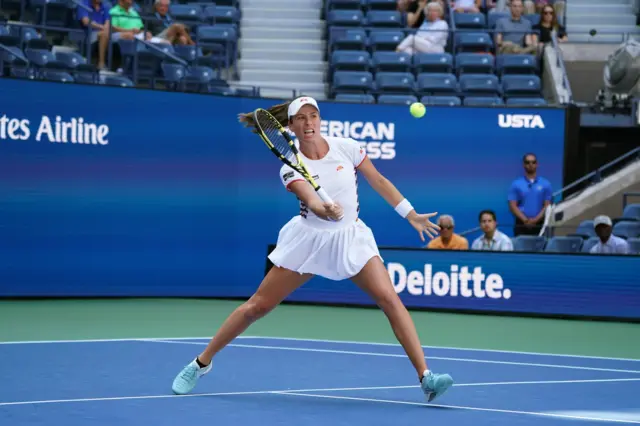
[
  {"x": 610, "y": 18},
  {"x": 282, "y": 47}
]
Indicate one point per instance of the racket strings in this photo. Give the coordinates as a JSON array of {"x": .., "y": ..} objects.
[{"x": 280, "y": 143}]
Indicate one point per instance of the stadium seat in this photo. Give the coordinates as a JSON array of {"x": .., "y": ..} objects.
[
  {"x": 433, "y": 62},
  {"x": 441, "y": 100},
  {"x": 344, "y": 4},
  {"x": 589, "y": 243},
  {"x": 473, "y": 42},
  {"x": 57, "y": 12},
  {"x": 189, "y": 14},
  {"x": 57, "y": 75},
  {"x": 534, "y": 18},
  {"x": 397, "y": 83},
  {"x": 436, "y": 84},
  {"x": 173, "y": 73},
  {"x": 632, "y": 211},
  {"x": 520, "y": 86},
  {"x": 352, "y": 82},
  {"x": 74, "y": 61},
  {"x": 531, "y": 243},
  {"x": 345, "y": 18},
  {"x": 634, "y": 245},
  {"x": 397, "y": 99},
  {"x": 529, "y": 102},
  {"x": 385, "y": 39},
  {"x": 347, "y": 39},
  {"x": 223, "y": 14},
  {"x": 564, "y": 245},
  {"x": 350, "y": 60},
  {"x": 627, "y": 229},
  {"x": 483, "y": 101},
  {"x": 391, "y": 61},
  {"x": 469, "y": 20},
  {"x": 474, "y": 63},
  {"x": 355, "y": 98},
  {"x": 383, "y": 18},
  {"x": 479, "y": 85},
  {"x": 585, "y": 229},
  {"x": 494, "y": 17},
  {"x": 516, "y": 64},
  {"x": 380, "y": 4},
  {"x": 117, "y": 80}
]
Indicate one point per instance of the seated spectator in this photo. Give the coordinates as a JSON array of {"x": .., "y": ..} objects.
[
  {"x": 502, "y": 6},
  {"x": 462, "y": 6},
  {"x": 492, "y": 240},
  {"x": 608, "y": 244},
  {"x": 549, "y": 23},
  {"x": 415, "y": 13},
  {"x": 432, "y": 35},
  {"x": 126, "y": 23},
  {"x": 448, "y": 240},
  {"x": 94, "y": 16},
  {"x": 514, "y": 34},
  {"x": 164, "y": 28}
]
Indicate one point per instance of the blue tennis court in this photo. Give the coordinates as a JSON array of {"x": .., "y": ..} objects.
[{"x": 275, "y": 381}]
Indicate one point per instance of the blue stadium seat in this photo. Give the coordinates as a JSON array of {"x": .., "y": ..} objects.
[
  {"x": 627, "y": 229},
  {"x": 347, "y": 39},
  {"x": 395, "y": 83},
  {"x": 73, "y": 61},
  {"x": 385, "y": 39},
  {"x": 117, "y": 80},
  {"x": 585, "y": 229},
  {"x": 345, "y": 18},
  {"x": 224, "y": 14},
  {"x": 350, "y": 60},
  {"x": 383, "y": 18},
  {"x": 632, "y": 211},
  {"x": 13, "y": 56},
  {"x": 355, "y": 98},
  {"x": 441, "y": 100},
  {"x": 564, "y": 245},
  {"x": 494, "y": 17},
  {"x": 474, "y": 63},
  {"x": 43, "y": 58},
  {"x": 391, "y": 61},
  {"x": 436, "y": 84},
  {"x": 57, "y": 12},
  {"x": 534, "y": 18},
  {"x": 24, "y": 73},
  {"x": 516, "y": 64},
  {"x": 397, "y": 99},
  {"x": 352, "y": 82},
  {"x": 173, "y": 73},
  {"x": 469, "y": 20},
  {"x": 530, "y": 102},
  {"x": 530, "y": 243},
  {"x": 520, "y": 86},
  {"x": 634, "y": 245},
  {"x": 479, "y": 85},
  {"x": 433, "y": 62},
  {"x": 381, "y": 4},
  {"x": 473, "y": 42},
  {"x": 483, "y": 101},
  {"x": 57, "y": 75},
  {"x": 344, "y": 4},
  {"x": 187, "y": 13},
  {"x": 588, "y": 244}
]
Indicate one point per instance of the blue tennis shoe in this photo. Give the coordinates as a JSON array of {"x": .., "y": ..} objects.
[
  {"x": 187, "y": 379},
  {"x": 434, "y": 385}
]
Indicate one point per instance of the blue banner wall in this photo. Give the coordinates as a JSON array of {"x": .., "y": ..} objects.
[
  {"x": 107, "y": 191},
  {"x": 542, "y": 284}
]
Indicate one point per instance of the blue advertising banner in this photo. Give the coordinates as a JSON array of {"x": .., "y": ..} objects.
[
  {"x": 120, "y": 192},
  {"x": 541, "y": 284}
]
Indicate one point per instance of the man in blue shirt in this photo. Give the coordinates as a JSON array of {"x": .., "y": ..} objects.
[{"x": 529, "y": 196}]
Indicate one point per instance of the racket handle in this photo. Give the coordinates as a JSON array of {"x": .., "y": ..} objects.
[{"x": 324, "y": 196}]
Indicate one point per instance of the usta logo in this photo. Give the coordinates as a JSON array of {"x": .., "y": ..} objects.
[{"x": 518, "y": 121}]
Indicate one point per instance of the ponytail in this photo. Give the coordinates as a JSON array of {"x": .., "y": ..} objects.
[{"x": 280, "y": 112}]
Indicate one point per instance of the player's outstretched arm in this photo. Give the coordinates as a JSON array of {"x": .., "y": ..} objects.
[
  {"x": 305, "y": 193},
  {"x": 390, "y": 193}
]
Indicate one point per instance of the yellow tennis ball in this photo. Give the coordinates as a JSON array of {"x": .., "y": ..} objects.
[{"x": 417, "y": 109}]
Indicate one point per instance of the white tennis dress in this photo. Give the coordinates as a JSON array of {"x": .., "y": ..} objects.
[{"x": 309, "y": 244}]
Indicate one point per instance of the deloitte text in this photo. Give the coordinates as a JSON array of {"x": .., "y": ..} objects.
[
  {"x": 377, "y": 138},
  {"x": 75, "y": 131},
  {"x": 519, "y": 121},
  {"x": 458, "y": 282}
]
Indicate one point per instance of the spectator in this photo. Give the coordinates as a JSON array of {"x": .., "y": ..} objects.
[
  {"x": 609, "y": 243},
  {"x": 514, "y": 34},
  {"x": 492, "y": 240},
  {"x": 462, "y": 6},
  {"x": 93, "y": 15},
  {"x": 127, "y": 23},
  {"x": 549, "y": 23},
  {"x": 529, "y": 196},
  {"x": 502, "y": 6},
  {"x": 165, "y": 30},
  {"x": 415, "y": 13},
  {"x": 432, "y": 35},
  {"x": 448, "y": 240}
]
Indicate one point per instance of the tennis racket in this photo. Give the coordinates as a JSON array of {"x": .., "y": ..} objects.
[{"x": 280, "y": 143}]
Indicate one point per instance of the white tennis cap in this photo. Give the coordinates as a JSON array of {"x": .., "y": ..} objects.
[
  {"x": 602, "y": 220},
  {"x": 295, "y": 106}
]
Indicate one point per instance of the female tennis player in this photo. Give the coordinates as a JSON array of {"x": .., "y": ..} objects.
[{"x": 328, "y": 240}]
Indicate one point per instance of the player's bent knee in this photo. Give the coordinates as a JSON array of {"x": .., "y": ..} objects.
[{"x": 256, "y": 308}]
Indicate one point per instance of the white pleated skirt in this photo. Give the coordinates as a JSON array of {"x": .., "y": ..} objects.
[{"x": 336, "y": 254}]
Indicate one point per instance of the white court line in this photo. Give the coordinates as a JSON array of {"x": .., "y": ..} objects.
[
  {"x": 347, "y": 342},
  {"x": 336, "y": 351},
  {"x": 460, "y": 407},
  {"x": 143, "y": 397}
]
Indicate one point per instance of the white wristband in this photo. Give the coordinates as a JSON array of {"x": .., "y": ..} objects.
[{"x": 404, "y": 207}]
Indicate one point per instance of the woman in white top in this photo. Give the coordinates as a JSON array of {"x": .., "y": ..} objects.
[
  {"x": 432, "y": 35},
  {"x": 327, "y": 240}
]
